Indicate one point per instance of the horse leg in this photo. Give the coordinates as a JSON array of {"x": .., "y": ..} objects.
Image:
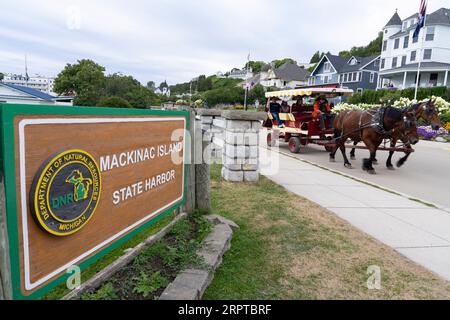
[
  {"x": 402, "y": 161},
  {"x": 391, "y": 153},
  {"x": 352, "y": 153},
  {"x": 338, "y": 142},
  {"x": 347, "y": 163},
  {"x": 367, "y": 163}
]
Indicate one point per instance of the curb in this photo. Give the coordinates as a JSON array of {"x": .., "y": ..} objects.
[
  {"x": 404, "y": 195},
  {"x": 192, "y": 283}
]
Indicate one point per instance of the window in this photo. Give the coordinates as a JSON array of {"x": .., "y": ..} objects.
[
  {"x": 355, "y": 76},
  {"x": 406, "y": 42},
  {"x": 394, "y": 62},
  {"x": 359, "y": 90},
  {"x": 345, "y": 77},
  {"x": 372, "y": 77},
  {"x": 327, "y": 67},
  {"x": 427, "y": 54},
  {"x": 384, "y": 45},
  {"x": 403, "y": 61},
  {"x": 413, "y": 56},
  {"x": 376, "y": 64},
  {"x": 397, "y": 43},
  {"x": 433, "y": 79},
  {"x": 414, "y": 40},
  {"x": 430, "y": 34},
  {"x": 405, "y": 25},
  {"x": 325, "y": 79}
]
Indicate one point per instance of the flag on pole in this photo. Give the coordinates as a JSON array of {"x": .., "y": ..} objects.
[{"x": 422, "y": 14}]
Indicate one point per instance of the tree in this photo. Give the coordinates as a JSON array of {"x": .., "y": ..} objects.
[
  {"x": 151, "y": 86},
  {"x": 372, "y": 49},
  {"x": 255, "y": 66},
  {"x": 163, "y": 85},
  {"x": 204, "y": 84},
  {"x": 83, "y": 79},
  {"x": 140, "y": 97},
  {"x": 279, "y": 63},
  {"x": 113, "y": 102},
  {"x": 257, "y": 93},
  {"x": 2, "y": 76},
  {"x": 119, "y": 85}
]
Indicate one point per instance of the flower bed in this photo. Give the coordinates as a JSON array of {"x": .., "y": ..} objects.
[{"x": 427, "y": 133}]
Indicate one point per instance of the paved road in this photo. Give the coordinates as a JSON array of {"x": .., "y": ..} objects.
[{"x": 425, "y": 176}]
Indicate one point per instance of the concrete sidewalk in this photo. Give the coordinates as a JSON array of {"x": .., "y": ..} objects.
[{"x": 419, "y": 232}]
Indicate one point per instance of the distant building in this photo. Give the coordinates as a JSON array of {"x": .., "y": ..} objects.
[
  {"x": 164, "y": 92},
  {"x": 11, "y": 93},
  {"x": 356, "y": 73},
  {"x": 43, "y": 84},
  {"x": 401, "y": 53},
  {"x": 240, "y": 74},
  {"x": 287, "y": 76}
]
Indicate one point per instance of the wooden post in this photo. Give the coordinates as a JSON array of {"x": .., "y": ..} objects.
[
  {"x": 5, "y": 267},
  {"x": 190, "y": 177}
]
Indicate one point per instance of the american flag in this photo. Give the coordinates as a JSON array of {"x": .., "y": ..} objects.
[{"x": 422, "y": 14}]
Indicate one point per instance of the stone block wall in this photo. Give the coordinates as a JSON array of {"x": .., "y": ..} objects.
[{"x": 234, "y": 137}]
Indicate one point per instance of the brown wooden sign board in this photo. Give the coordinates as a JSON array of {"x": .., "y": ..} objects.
[{"x": 86, "y": 182}]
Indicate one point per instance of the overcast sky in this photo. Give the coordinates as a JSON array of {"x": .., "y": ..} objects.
[{"x": 180, "y": 39}]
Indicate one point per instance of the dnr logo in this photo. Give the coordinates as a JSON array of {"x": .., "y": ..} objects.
[{"x": 65, "y": 192}]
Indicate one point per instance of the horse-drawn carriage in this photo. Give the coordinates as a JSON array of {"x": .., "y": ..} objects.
[{"x": 300, "y": 126}]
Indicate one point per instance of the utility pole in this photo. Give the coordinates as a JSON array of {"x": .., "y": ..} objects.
[
  {"x": 422, "y": 51},
  {"x": 246, "y": 81}
]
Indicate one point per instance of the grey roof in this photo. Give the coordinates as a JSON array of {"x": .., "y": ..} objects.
[
  {"x": 341, "y": 64},
  {"x": 395, "y": 20},
  {"x": 441, "y": 16},
  {"x": 291, "y": 72}
]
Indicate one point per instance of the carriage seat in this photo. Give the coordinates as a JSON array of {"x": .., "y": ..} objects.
[{"x": 303, "y": 113}]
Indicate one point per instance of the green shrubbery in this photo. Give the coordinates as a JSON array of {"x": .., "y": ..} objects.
[{"x": 377, "y": 96}]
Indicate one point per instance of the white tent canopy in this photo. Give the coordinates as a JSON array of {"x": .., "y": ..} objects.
[{"x": 310, "y": 92}]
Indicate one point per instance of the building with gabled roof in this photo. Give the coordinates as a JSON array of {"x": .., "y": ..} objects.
[
  {"x": 356, "y": 73},
  {"x": 401, "y": 53}
]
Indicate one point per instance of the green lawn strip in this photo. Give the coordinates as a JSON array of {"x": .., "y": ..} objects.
[
  {"x": 157, "y": 265},
  {"x": 290, "y": 248},
  {"x": 103, "y": 262}
]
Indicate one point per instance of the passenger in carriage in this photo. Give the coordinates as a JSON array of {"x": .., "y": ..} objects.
[
  {"x": 285, "y": 107},
  {"x": 322, "y": 111},
  {"x": 297, "y": 106},
  {"x": 275, "y": 109}
]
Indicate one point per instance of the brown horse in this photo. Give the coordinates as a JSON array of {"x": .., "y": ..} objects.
[
  {"x": 370, "y": 127},
  {"x": 426, "y": 111}
]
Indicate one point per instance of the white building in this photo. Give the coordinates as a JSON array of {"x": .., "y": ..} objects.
[
  {"x": 43, "y": 84},
  {"x": 287, "y": 76},
  {"x": 401, "y": 53},
  {"x": 240, "y": 74}
]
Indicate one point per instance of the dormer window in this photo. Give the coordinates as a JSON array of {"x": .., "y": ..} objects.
[{"x": 353, "y": 62}]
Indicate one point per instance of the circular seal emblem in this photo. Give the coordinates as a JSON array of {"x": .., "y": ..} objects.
[{"x": 65, "y": 192}]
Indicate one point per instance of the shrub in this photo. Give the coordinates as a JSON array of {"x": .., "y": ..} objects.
[{"x": 113, "y": 102}]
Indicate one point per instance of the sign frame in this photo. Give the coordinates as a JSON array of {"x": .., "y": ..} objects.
[{"x": 8, "y": 112}]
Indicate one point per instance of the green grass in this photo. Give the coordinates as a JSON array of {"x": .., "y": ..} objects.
[{"x": 290, "y": 248}]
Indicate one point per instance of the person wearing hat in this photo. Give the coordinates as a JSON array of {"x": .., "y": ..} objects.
[
  {"x": 322, "y": 111},
  {"x": 275, "y": 109}
]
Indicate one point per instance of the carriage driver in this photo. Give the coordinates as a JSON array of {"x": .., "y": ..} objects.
[{"x": 322, "y": 110}]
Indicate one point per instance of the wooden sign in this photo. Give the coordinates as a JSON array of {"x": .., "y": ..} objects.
[{"x": 80, "y": 181}]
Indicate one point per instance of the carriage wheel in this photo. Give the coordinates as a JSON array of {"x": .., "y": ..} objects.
[
  {"x": 294, "y": 144},
  {"x": 270, "y": 142}
]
